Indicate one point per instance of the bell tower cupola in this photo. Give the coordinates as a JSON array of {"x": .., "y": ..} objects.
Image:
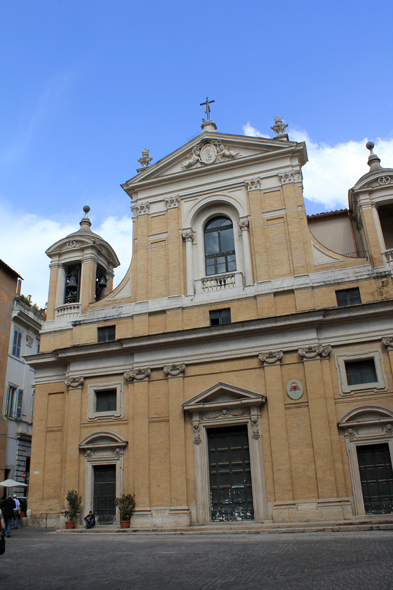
[{"x": 82, "y": 270}]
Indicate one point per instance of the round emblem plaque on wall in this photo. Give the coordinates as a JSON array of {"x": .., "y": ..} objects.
[
  {"x": 208, "y": 154},
  {"x": 294, "y": 389}
]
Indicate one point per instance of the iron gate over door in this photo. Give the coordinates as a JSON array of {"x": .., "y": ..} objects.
[
  {"x": 104, "y": 493},
  {"x": 230, "y": 474},
  {"x": 376, "y": 475}
]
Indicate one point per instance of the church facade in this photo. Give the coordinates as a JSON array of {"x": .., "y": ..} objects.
[{"x": 242, "y": 369}]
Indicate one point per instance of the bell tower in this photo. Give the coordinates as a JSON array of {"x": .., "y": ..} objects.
[{"x": 82, "y": 266}]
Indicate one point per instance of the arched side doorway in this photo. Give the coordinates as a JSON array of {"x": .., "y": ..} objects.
[
  {"x": 368, "y": 435},
  {"x": 228, "y": 460},
  {"x": 104, "y": 464}
]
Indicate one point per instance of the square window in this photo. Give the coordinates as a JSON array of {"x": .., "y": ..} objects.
[
  {"x": 348, "y": 297},
  {"x": 106, "y": 334},
  {"x": 360, "y": 372},
  {"x": 16, "y": 344},
  {"x": 106, "y": 400},
  {"x": 220, "y": 316}
]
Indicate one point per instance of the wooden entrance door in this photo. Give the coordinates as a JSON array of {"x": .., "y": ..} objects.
[
  {"x": 104, "y": 493},
  {"x": 377, "y": 478},
  {"x": 230, "y": 474}
]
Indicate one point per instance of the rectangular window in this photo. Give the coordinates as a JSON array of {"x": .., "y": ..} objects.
[
  {"x": 106, "y": 400},
  {"x": 18, "y": 405},
  {"x": 16, "y": 345},
  {"x": 359, "y": 372},
  {"x": 348, "y": 297},
  {"x": 11, "y": 398},
  {"x": 220, "y": 316},
  {"x": 106, "y": 334}
]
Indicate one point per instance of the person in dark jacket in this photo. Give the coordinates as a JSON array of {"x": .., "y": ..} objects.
[{"x": 8, "y": 513}]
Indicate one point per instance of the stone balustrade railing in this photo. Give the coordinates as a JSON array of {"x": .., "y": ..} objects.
[
  {"x": 388, "y": 255},
  {"x": 219, "y": 282},
  {"x": 68, "y": 310}
]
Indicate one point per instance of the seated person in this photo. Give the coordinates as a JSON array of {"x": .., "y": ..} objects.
[{"x": 90, "y": 520}]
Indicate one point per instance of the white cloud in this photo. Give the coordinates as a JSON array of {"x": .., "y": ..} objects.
[
  {"x": 25, "y": 238},
  {"x": 332, "y": 170},
  {"x": 250, "y": 130}
]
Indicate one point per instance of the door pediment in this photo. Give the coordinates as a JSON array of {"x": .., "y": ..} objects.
[{"x": 222, "y": 395}]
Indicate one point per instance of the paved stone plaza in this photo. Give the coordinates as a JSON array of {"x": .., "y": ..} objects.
[{"x": 42, "y": 559}]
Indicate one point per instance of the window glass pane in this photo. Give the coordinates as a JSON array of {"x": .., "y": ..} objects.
[
  {"x": 210, "y": 266},
  {"x": 106, "y": 334},
  {"x": 348, "y": 297},
  {"x": 227, "y": 242},
  {"x": 221, "y": 266},
  {"x": 106, "y": 400},
  {"x": 359, "y": 372},
  {"x": 218, "y": 222},
  {"x": 220, "y": 316},
  {"x": 16, "y": 343},
  {"x": 231, "y": 264},
  {"x": 211, "y": 243}
]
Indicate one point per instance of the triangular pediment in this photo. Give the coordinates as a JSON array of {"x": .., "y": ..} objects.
[
  {"x": 378, "y": 179},
  {"x": 209, "y": 152},
  {"x": 223, "y": 395}
]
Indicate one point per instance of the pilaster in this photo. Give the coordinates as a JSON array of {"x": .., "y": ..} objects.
[
  {"x": 177, "y": 441},
  {"x": 175, "y": 276},
  {"x": 141, "y": 444}
]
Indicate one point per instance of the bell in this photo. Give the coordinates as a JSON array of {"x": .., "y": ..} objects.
[
  {"x": 102, "y": 282},
  {"x": 72, "y": 282}
]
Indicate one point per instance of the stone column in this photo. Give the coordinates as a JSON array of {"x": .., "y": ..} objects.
[
  {"x": 378, "y": 227},
  {"x": 319, "y": 419},
  {"x": 179, "y": 506},
  {"x": 277, "y": 424},
  {"x": 244, "y": 225},
  {"x": 175, "y": 278},
  {"x": 53, "y": 289},
  {"x": 88, "y": 280},
  {"x": 188, "y": 236},
  {"x": 141, "y": 451},
  {"x": 61, "y": 281}
]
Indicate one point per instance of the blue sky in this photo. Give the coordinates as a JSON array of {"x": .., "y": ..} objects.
[{"x": 86, "y": 85}]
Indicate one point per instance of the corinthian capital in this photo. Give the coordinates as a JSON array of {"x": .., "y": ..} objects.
[
  {"x": 188, "y": 235},
  {"x": 137, "y": 375},
  {"x": 74, "y": 382},
  {"x": 174, "y": 370},
  {"x": 244, "y": 224}
]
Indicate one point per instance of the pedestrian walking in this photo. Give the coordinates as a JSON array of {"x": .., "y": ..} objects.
[
  {"x": 16, "y": 513},
  {"x": 8, "y": 513}
]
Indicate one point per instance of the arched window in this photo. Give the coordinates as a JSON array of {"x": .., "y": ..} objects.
[{"x": 219, "y": 246}]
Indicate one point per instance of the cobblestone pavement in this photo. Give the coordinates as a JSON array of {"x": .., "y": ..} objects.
[{"x": 40, "y": 559}]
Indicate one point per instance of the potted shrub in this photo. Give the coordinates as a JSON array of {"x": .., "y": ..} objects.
[
  {"x": 23, "y": 507},
  {"x": 74, "y": 505},
  {"x": 126, "y": 505}
]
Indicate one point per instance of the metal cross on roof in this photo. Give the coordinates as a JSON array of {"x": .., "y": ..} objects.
[{"x": 207, "y": 104}]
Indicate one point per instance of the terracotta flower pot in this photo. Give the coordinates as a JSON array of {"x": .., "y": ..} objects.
[
  {"x": 69, "y": 524},
  {"x": 124, "y": 524}
]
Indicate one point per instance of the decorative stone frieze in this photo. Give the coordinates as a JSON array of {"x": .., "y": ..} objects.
[
  {"x": 71, "y": 244},
  {"x": 175, "y": 370},
  {"x": 385, "y": 180},
  {"x": 137, "y": 375},
  {"x": 289, "y": 176},
  {"x": 172, "y": 202},
  {"x": 310, "y": 353},
  {"x": 74, "y": 382},
  {"x": 271, "y": 358},
  {"x": 388, "y": 342},
  {"x": 254, "y": 184},
  {"x": 225, "y": 413},
  {"x": 188, "y": 235},
  {"x": 196, "y": 429},
  {"x": 255, "y": 427},
  {"x": 244, "y": 224},
  {"x": 209, "y": 152},
  {"x": 141, "y": 209}
]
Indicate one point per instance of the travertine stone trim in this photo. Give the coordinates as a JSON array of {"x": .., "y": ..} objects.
[
  {"x": 92, "y": 390},
  {"x": 141, "y": 209},
  {"x": 376, "y": 356},
  {"x": 176, "y": 370},
  {"x": 364, "y": 426},
  {"x": 137, "y": 375},
  {"x": 254, "y": 184},
  {"x": 74, "y": 382},
  {"x": 172, "y": 202},
  {"x": 289, "y": 176},
  {"x": 271, "y": 358},
  {"x": 311, "y": 353},
  {"x": 388, "y": 342}
]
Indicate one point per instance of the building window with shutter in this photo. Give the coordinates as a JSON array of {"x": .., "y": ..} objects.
[
  {"x": 106, "y": 334},
  {"x": 16, "y": 345},
  {"x": 348, "y": 297},
  {"x": 13, "y": 408}
]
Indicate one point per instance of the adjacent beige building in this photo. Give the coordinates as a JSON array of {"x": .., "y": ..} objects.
[{"x": 242, "y": 368}]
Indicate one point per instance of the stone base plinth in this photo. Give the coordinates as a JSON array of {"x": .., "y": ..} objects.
[{"x": 312, "y": 510}]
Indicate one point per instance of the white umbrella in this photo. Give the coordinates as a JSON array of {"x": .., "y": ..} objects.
[{"x": 11, "y": 483}]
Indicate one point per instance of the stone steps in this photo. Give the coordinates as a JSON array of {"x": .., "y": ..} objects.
[{"x": 364, "y": 524}]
